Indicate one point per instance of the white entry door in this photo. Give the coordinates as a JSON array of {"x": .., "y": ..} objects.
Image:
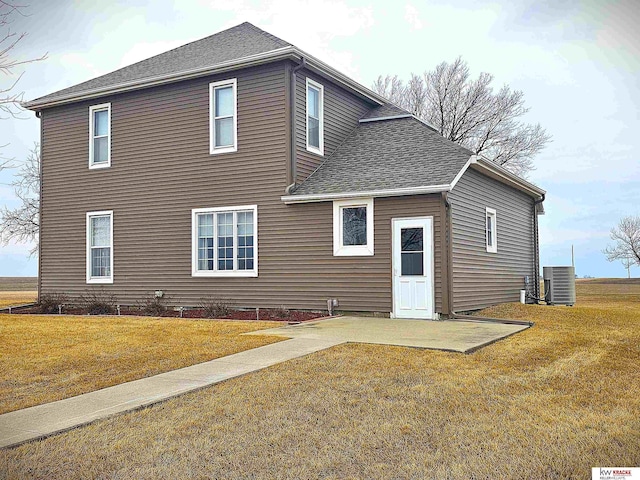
[{"x": 413, "y": 267}]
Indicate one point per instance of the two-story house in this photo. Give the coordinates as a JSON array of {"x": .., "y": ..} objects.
[{"x": 240, "y": 167}]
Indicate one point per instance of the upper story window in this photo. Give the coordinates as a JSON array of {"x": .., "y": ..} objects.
[
  {"x": 100, "y": 136},
  {"x": 491, "y": 234},
  {"x": 100, "y": 247},
  {"x": 353, "y": 227},
  {"x": 225, "y": 241},
  {"x": 315, "y": 117},
  {"x": 223, "y": 121}
]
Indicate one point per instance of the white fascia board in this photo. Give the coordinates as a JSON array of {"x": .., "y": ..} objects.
[
  {"x": 462, "y": 171},
  {"x": 499, "y": 173},
  {"x": 396, "y": 192},
  {"x": 507, "y": 177},
  {"x": 379, "y": 119},
  {"x": 251, "y": 60}
]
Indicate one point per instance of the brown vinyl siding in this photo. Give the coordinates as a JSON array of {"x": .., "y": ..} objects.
[
  {"x": 161, "y": 170},
  {"x": 480, "y": 278},
  {"x": 342, "y": 110}
]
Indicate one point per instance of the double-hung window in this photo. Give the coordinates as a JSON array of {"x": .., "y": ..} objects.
[
  {"x": 223, "y": 111},
  {"x": 353, "y": 227},
  {"x": 225, "y": 241},
  {"x": 100, "y": 247},
  {"x": 315, "y": 117},
  {"x": 100, "y": 136},
  {"x": 491, "y": 234}
]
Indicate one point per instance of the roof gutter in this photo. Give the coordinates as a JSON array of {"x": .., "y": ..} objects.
[
  {"x": 394, "y": 192},
  {"x": 283, "y": 53}
]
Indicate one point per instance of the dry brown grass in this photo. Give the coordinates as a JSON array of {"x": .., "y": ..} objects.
[
  {"x": 9, "y": 298},
  {"x": 547, "y": 403},
  {"x": 47, "y": 358}
]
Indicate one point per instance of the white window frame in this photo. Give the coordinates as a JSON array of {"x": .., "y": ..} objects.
[
  {"x": 90, "y": 278},
  {"x": 491, "y": 213},
  {"x": 213, "y": 150},
  {"x": 340, "y": 250},
  {"x": 92, "y": 109},
  {"x": 195, "y": 272},
  {"x": 320, "y": 88}
]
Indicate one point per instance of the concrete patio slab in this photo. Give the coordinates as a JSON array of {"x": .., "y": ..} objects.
[
  {"x": 449, "y": 335},
  {"x": 43, "y": 420}
]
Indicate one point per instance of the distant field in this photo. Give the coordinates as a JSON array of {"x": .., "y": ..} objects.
[
  {"x": 609, "y": 281},
  {"x": 14, "y": 284}
]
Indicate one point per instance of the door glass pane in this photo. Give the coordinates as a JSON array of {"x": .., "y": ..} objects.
[
  {"x": 354, "y": 226},
  {"x": 224, "y": 132},
  {"x": 100, "y": 149},
  {"x": 412, "y": 263},
  {"x": 411, "y": 251},
  {"x": 224, "y": 101},
  {"x": 411, "y": 239},
  {"x": 100, "y": 123}
]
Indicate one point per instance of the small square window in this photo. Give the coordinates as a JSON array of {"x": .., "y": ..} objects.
[
  {"x": 491, "y": 236},
  {"x": 353, "y": 227}
]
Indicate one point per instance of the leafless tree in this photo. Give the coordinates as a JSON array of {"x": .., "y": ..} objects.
[
  {"x": 469, "y": 112},
  {"x": 627, "y": 263},
  {"x": 22, "y": 224},
  {"x": 627, "y": 241},
  {"x": 391, "y": 88},
  {"x": 10, "y": 98}
]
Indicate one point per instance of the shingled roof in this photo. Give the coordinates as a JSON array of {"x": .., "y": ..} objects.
[
  {"x": 238, "y": 42},
  {"x": 385, "y": 155}
]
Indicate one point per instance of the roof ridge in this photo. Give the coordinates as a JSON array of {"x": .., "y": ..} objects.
[{"x": 270, "y": 36}]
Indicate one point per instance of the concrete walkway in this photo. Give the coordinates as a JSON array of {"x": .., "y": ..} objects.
[
  {"x": 43, "y": 420},
  {"x": 449, "y": 335}
]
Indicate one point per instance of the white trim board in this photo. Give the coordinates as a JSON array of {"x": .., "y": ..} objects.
[
  {"x": 282, "y": 53},
  {"x": 483, "y": 165},
  {"x": 396, "y": 192}
]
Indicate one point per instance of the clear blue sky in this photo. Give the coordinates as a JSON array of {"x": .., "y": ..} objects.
[{"x": 578, "y": 63}]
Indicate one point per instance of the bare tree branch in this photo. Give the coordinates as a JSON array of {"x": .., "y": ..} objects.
[
  {"x": 22, "y": 224},
  {"x": 10, "y": 99},
  {"x": 469, "y": 112}
]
